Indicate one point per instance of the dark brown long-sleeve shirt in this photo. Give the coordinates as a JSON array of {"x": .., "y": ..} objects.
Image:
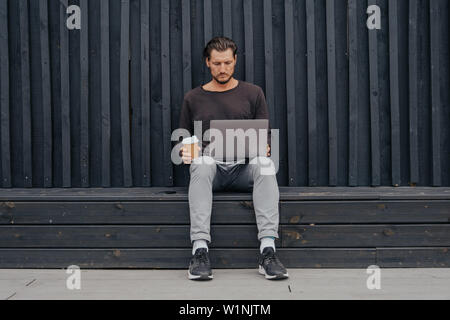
[{"x": 245, "y": 101}]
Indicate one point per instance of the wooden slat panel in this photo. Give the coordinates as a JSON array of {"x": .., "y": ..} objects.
[
  {"x": 156, "y": 126},
  {"x": 124, "y": 92},
  {"x": 436, "y": 94},
  {"x": 248, "y": 35},
  {"x": 384, "y": 94},
  {"x": 301, "y": 89},
  {"x": 84, "y": 213},
  {"x": 207, "y": 28},
  {"x": 353, "y": 92},
  {"x": 346, "y": 236},
  {"x": 413, "y": 91},
  {"x": 394, "y": 80},
  {"x": 117, "y": 177},
  {"x": 25, "y": 94},
  {"x": 36, "y": 93},
  {"x": 65, "y": 95},
  {"x": 321, "y": 94},
  {"x": 416, "y": 136},
  {"x": 402, "y": 18},
  {"x": 207, "y": 21},
  {"x": 155, "y": 236},
  {"x": 5, "y": 148},
  {"x": 84, "y": 95},
  {"x": 238, "y": 35},
  {"x": 105, "y": 94},
  {"x": 409, "y": 211},
  {"x": 47, "y": 158},
  {"x": 268, "y": 50},
  {"x": 227, "y": 19},
  {"x": 179, "y": 258},
  {"x": 337, "y": 62},
  {"x": 375, "y": 95},
  {"x": 187, "y": 59},
  {"x": 145, "y": 94},
  {"x": 95, "y": 99},
  {"x": 135, "y": 91},
  {"x": 197, "y": 42},
  {"x": 332, "y": 92},
  {"x": 178, "y": 63},
  {"x": 166, "y": 94},
  {"x": 424, "y": 115},
  {"x": 75, "y": 101},
  {"x": 383, "y": 171},
  {"x": 359, "y": 100},
  {"x": 290, "y": 93},
  {"x": 342, "y": 95},
  {"x": 313, "y": 134}
]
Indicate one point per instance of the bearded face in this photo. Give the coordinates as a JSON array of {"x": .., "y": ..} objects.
[{"x": 221, "y": 65}]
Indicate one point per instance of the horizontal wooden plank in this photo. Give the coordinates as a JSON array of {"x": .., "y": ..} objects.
[
  {"x": 348, "y": 236},
  {"x": 437, "y": 257},
  {"x": 181, "y": 194},
  {"x": 179, "y": 258},
  {"x": 229, "y": 236},
  {"x": 411, "y": 211},
  {"x": 156, "y": 236},
  {"x": 225, "y": 258},
  {"x": 223, "y": 212}
]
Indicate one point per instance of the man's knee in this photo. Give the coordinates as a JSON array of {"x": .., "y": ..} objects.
[
  {"x": 203, "y": 166},
  {"x": 263, "y": 166}
]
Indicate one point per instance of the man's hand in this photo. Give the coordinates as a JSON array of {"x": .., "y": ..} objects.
[
  {"x": 268, "y": 150},
  {"x": 186, "y": 155}
]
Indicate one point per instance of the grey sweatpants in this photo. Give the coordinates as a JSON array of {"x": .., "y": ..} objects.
[{"x": 207, "y": 176}]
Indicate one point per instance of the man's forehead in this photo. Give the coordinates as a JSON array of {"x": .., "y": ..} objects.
[{"x": 221, "y": 55}]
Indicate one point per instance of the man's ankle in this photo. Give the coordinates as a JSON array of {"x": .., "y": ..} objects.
[
  {"x": 267, "y": 242},
  {"x": 199, "y": 244}
]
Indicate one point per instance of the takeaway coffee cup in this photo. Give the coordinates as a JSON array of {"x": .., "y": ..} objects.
[{"x": 191, "y": 143}]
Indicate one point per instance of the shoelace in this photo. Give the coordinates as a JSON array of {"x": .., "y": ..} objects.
[
  {"x": 202, "y": 257},
  {"x": 270, "y": 257}
]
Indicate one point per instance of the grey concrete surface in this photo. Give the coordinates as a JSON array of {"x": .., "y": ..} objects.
[{"x": 228, "y": 284}]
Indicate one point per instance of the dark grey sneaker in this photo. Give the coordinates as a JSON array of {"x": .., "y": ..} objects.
[
  {"x": 270, "y": 266},
  {"x": 200, "y": 267}
]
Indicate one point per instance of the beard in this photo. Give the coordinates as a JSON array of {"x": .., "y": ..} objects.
[{"x": 223, "y": 81}]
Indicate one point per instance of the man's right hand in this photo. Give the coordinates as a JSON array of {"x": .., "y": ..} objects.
[{"x": 186, "y": 155}]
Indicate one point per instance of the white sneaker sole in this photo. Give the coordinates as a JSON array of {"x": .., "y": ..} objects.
[
  {"x": 276, "y": 277},
  {"x": 194, "y": 277}
]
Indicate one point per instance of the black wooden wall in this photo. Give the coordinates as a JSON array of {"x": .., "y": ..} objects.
[{"x": 96, "y": 107}]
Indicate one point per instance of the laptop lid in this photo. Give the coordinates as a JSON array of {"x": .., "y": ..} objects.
[{"x": 232, "y": 140}]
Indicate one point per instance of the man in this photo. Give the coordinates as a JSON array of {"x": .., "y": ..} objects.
[{"x": 227, "y": 98}]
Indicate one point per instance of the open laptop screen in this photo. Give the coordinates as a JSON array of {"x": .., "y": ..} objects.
[{"x": 232, "y": 140}]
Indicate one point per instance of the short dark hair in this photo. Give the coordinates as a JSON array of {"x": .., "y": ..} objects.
[{"x": 220, "y": 44}]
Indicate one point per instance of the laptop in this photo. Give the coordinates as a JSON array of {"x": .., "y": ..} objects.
[{"x": 247, "y": 136}]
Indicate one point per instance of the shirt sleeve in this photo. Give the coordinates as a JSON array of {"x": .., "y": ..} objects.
[
  {"x": 262, "y": 112},
  {"x": 185, "y": 117}
]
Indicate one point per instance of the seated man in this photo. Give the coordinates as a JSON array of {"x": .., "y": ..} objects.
[{"x": 227, "y": 98}]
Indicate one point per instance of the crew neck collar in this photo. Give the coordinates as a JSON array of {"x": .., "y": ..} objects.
[{"x": 218, "y": 92}]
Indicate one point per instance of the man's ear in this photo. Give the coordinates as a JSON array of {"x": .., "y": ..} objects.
[{"x": 207, "y": 62}]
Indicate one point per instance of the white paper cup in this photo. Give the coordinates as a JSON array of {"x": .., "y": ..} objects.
[{"x": 192, "y": 143}]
